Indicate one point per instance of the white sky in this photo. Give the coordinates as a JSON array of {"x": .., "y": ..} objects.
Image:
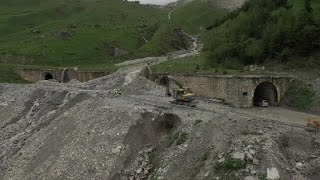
[{"x": 159, "y": 2}]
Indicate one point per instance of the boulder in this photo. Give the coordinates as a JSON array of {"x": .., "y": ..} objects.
[
  {"x": 65, "y": 34},
  {"x": 238, "y": 155},
  {"x": 299, "y": 165},
  {"x": 221, "y": 160},
  {"x": 249, "y": 156},
  {"x": 139, "y": 170},
  {"x": 116, "y": 150},
  {"x": 272, "y": 174},
  {"x": 251, "y": 178},
  {"x": 115, "y": 51},
  {"x": 255, "y": 161}
]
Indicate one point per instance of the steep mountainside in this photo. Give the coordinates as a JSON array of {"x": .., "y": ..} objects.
[
  {"x": 79, "y": 32},
  {"x": 263, "y": 30}
]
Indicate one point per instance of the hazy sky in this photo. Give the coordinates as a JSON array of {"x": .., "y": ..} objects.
[{"x": 159, "y": 2}]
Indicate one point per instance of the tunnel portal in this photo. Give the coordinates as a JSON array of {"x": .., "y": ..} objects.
[
  {"x": 48, "y": 76},
  {"x": 266, "y": 91}
]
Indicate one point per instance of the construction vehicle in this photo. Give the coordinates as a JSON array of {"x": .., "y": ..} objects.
[
  {"x": 313, "y": 123},
  {"x": 184, "y": 96}
]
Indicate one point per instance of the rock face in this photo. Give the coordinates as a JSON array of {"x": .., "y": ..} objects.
[
  {"x": 238, "y": 155},
  {"x": 65, "y": 34},
  {"x": 114, "y": 51},
  {"x": 251, "y": 178},
  {"x": 272, "y": 174}
]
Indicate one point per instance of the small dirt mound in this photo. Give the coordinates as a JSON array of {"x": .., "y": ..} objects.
[
  {"x": 112, "y": 81},
  {"x": 142, "y": 86},
  {"x": 74, "y": 81}
]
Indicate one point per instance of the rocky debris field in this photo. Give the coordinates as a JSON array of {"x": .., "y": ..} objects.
[{"x": 123, "y": 127}]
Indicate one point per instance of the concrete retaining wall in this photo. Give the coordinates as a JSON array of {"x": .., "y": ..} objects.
[
  {"x": 235, "y": 90},
  {"x": 61, "y": 75}
]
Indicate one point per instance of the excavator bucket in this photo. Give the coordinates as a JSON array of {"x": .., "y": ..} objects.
[{"x": 313, "y": 123}]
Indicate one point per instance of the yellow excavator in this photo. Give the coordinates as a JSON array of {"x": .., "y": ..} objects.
[
  {"x": 184, "y": 96},
  {"x": 313, "y": 123}
]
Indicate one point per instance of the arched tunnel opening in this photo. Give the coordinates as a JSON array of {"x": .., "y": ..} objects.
[
  {"x": 164, "y": 81},
  {"x": 48, "y": 76},
  {"x": 265, "y": 91}
]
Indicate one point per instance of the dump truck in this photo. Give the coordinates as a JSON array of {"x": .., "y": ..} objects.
[{"x": 184, "y": 96}]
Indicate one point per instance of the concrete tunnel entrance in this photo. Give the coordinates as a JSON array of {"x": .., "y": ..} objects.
[
  {"x": 48, "y": 76},
  {"x": 266, "y": 91}
]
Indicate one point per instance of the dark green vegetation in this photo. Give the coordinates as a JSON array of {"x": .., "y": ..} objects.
[
  {"x": 228, "y": 166},
  {"x": 178, "y": 138},
  {"x": 166, "y": 39},
  {"x": 301, "y": 95},
  {"x": 263, "y": 31},
  {"x": 7, "y": 75},
  {"x": 278, "y": 33}
]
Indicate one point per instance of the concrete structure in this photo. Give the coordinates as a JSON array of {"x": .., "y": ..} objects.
[
  {"x": 238, "y": 91},
  {"x": 61, "y": 75}
]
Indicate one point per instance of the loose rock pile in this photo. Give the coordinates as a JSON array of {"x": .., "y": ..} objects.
[{"x": 142, "y": 166}]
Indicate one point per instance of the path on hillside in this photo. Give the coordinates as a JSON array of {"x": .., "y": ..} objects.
[
  {"x": 133, "y": 65},
  {"x": 139, "y": 63}
]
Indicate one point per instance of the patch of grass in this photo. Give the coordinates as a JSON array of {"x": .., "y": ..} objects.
[
  {"x": 300, "y": 95},
  {"x": 190, "y": 65},
  {"x": 179, "y": 138},
  {"x": 7, "y": 75},
  {"x": 230, "y": 164},
  {"x": 166, "y": 39},
  {"x": 199, "y": 65},
  {"x": 262, "y": 176}
]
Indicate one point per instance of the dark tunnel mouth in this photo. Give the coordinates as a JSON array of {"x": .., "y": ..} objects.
[
  {"x": 164, "y": 81},
  {"x": 266, "y": 91},
  {"x": 48, "y": 76}
]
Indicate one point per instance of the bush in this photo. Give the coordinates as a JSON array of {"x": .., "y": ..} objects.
[
  {"x": 230, "y": 164},
  {"x": 179, "y": 138},
  {"x": 263, "y": 30},
  {"x": 299, "y": 95}
]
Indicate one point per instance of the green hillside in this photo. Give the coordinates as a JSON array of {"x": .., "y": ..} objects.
[
  {"x": 97, "y": 34},
  {"x": 264, "y": 31},
  {"x": 74, "y": 32},
  {"x": 197, "y": 16}
]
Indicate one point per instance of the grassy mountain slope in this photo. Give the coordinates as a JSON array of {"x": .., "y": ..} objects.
[
  {"x": 73, "y": 32},
  {"x": 85, "y": 33},
  {"x": 275, "y": 33},
  {"x": 196, "y": 16}
]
